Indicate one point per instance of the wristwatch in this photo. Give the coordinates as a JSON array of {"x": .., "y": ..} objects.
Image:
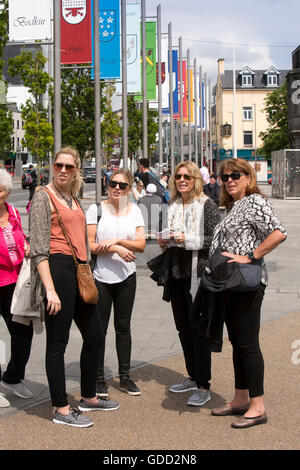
[{"x": 251, "y": 256}]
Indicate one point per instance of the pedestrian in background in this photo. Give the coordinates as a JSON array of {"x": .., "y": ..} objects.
[
  {"x": 115, "y": 239},
  {"x": 33, "y": 182},
  {"x": 192, "y": 217},
  {"x": 13, "y": 248},
  {"x": 55, "y": 290},
  {"x": 150, "y": 206},
  {"x": 249, "y": 232},
  {"x": 139, "y": 190},
  {"x": 212, "y": 189}
]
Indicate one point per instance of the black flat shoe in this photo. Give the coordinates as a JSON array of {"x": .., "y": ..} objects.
[{"x": 244, "y": 422}]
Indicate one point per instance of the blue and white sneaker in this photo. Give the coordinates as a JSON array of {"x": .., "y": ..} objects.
[
  {"x": 74, "y": 419},
  {"x": 199, "y": 398}
]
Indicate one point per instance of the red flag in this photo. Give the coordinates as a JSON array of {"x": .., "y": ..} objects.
[
  {"x": 76, "y": 36},
  {"x": 184, "y": 91}
]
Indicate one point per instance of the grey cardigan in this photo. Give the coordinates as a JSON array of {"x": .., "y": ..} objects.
[{"x": 40, "y": 232}]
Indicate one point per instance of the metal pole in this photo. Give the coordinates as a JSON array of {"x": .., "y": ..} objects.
[
  {"x": 57, "y": 77},
  {"x": 189, "y": 104},
  {"x": 160, "y": 149},
  {"x": 124, "y": 85},
  {"x": 145, "y": 114},
  {"x": 181, "y": 100},
  {"x": 201, "y": 117},
  {"x": 234, "y": 110},
  {"x": 196, "y": 108},
  {"x": 171, "y": 98},
  {"x": 97, "y": 102},
  {"x": 206, "y": 117},
  {"x": 209, "y": 120}
]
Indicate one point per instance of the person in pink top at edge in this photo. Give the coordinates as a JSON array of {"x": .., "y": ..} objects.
[{"x": 13, "y": 248}]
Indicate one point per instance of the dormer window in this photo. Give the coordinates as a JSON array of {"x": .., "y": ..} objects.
[
  {"x": 246, "y": 77},
  {"x": 271, "y": 77}
]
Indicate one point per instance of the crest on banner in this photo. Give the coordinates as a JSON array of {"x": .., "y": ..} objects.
[
  {"x": 73, "y": 11},
  {"x": 107, "y": 24}
]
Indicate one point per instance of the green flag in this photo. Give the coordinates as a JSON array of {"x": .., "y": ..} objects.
[{"x": 150, "y": 62}]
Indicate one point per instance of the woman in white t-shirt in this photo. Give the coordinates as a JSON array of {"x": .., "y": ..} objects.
[{"x": 115, "y": 240}]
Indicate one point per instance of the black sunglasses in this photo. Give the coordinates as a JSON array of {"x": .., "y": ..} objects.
[
  {"x": 235, "y": 175},
  {"x": 185, "y": 176},
  {"x": 59, "y": 166},
  {"x": 114, "y": 184}
]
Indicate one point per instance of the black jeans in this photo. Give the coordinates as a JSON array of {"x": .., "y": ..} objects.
[
  {"x": 242, "y": 319},
  {"x": 58, "y": 326},
  {"x": 121, "y": 295},
  {"x": 20, "y": 342},
  {"x": 195, "y": 347}
]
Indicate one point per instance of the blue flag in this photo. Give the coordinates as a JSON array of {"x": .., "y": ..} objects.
[{"x": 109, "y": 31}]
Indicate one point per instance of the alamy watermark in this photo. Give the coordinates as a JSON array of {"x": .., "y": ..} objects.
[{"x": 296, "y": 353}]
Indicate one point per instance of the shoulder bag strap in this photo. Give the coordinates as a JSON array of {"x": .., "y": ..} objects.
[{"x": 59, "y": 218}]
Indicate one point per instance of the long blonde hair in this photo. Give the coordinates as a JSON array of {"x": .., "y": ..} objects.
[
  {"x": 238, "y": 164},
  {"x": 78, "y": 179},
  {"x": 193, "y": 171}
]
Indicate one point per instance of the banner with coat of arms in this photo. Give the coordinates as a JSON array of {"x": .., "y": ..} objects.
[
  {"x": 150, "y": 61},
  {"x": 76, "y": 40}
]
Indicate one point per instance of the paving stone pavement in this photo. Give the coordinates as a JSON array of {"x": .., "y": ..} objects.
[{"x": 154, "y": 335}]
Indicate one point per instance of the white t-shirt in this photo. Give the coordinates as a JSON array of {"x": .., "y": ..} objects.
[{"x": 110, "y": 267}]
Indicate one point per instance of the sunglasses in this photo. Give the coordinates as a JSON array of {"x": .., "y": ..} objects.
[
  {"x": 114, "y": 184},
  {"x": 185, "y": 176},
  {"x": 59, "y": 166},
  {"x": 235, "y": 175}
]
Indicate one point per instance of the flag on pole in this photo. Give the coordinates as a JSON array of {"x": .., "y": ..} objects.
[
  {"x": 133, "y": 36},
  {"x": 76, "y": 37},
  {"x": 166, "y": 110},
  {"x": 184, "y": 91},
  {"x": 192, "y": 97},
  {"x": 110, "y": 48},
  {"x": 150, "y": 61}
]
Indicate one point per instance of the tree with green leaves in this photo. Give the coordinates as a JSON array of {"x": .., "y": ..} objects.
[
  {"x": 110, "y": 124},
  {"x": 276, "y": 136},
  {"x": 30, "y": 68},
  {"x": 135, "y": 128},
  {"x": 3, "y": 29}
]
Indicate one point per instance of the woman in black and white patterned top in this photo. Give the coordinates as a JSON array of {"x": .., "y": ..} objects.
[{"x": 250, "y": 231}]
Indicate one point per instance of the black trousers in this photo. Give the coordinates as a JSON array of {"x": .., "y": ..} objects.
[
  {"x": 58, "y": 326},
  {"x": 121, "y": 296},
  {"x": 195, "y": 347},
  {"x": 20, "y": 339},
  {"x": 242, "y": 319}
]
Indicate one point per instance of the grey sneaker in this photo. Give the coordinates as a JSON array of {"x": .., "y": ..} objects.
[
  {"x": 104, "y": 404},
  {"x": 199, "y": 398},
  {"x": 20, "y": 390},
  {"x": 186, "y": 386},
  {"x": 74, "y": 419}
]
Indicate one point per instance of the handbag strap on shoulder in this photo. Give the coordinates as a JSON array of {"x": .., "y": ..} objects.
[{"x": 60, "y": 221}]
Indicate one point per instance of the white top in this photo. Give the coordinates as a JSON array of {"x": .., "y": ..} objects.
[{"x": 110, "y": 267}]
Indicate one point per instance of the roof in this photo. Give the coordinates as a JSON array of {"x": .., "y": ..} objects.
[{"x": 259, "y": 81}]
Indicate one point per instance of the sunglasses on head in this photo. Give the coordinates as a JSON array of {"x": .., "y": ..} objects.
[
  {"x": 235, "y": 175},
  {"x": 185, "y": 176},
  {"x": 59, "y": 166},
  {"x": 114, "y": 184}
]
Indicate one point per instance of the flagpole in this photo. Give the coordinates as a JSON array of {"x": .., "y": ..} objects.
[
  {"x": 160, "y": 149},
  {"x": 234, "y": 109},
  {"x": 209, "y": 120},
  {"x": 181, "y": 100},
  {"x": 206, "y": 118},
  {"x": 201, "y": 117},
  {"x": 145, "y": 117},
  {"x": 189, "y": 104},
  {"x": 57, "y": 77},
  {"x": 97, "y": 101},
  {"x": 171, "y": 98},
  {"x": 124, "y": 85},
  {"x": 196, "y": 111}
]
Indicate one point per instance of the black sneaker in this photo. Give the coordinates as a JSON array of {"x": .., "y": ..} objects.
[
  {"x": 102, "y": 389},
  {"x": 129, "y": 387}
]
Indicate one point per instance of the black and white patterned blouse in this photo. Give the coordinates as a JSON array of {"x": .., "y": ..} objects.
[{"x": 247, "y": 225}]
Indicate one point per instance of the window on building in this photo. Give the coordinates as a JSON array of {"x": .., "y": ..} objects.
[
  {"x": 248, "y": 139},
  {"x": 18, "y": 124},
  {"x": 272, "y": 80},
  {"x": 247, "y": 113},
  {"x": 247, "y": 79}
]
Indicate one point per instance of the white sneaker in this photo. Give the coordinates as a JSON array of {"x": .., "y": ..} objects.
[
  {"x": 3, "y": 402},
  {"x": 20, "y": 390},
  {"x": 186, "y": 386}
]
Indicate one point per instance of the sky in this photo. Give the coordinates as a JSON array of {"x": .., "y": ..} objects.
[{"x": 213, "y": 28}]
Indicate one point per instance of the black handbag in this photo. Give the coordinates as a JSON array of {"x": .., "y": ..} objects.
[
  {"x": 94, "y": 257},
  {"x": 252, "y": 274}
]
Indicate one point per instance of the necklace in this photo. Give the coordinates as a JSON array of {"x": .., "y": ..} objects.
[{"x": 68, "y": 201}]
